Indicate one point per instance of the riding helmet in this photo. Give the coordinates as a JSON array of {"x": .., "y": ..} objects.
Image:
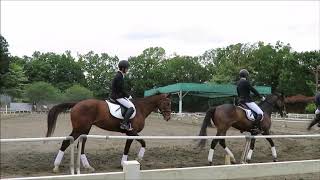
[
  {"x": 244, "y": 73},
  {"x": 123, "y": 64}
]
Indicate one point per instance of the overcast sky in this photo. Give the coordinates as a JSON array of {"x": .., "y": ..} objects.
[{"x": 127, "y": 28}]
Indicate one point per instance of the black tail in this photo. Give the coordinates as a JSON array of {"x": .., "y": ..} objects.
[
  {"x": 53, "y": 115},
  {"x": 206, "y": 122}
]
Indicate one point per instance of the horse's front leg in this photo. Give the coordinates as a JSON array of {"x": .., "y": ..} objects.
[
  {"x": 126, "y": 151},
  {"x": 142, "y": 149},
  {"x": 127, "y": 147},
  {"x": 273, "y": 148},
  {"x": 143, "y": 146}
]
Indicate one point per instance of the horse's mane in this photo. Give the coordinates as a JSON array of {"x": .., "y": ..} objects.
[{"x": 143, "y": 99}]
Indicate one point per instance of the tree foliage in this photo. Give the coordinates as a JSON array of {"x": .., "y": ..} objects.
[
  {"x": 42, "y": 92},
  {"x": 99, "y": 71},
  {"x": 77, "y": 93},
  {"x": 44, "y": 75},
  {"x": 61, "y": 71}
]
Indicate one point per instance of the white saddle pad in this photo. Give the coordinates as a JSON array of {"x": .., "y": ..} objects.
[
  {"x": 115, "y": 110},
  {"x": 249, "y": 113}
]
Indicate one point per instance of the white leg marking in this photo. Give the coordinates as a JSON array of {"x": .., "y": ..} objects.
[
  {"x": 58, "y": 159},
  {"x": 124, "y": 158},
  {"x": 210, "y": 155},
  {"x": 274, "y": 152},
  {"x": 84, "y": 161},
  {"x": 249, "y": 154},
  {"x": 229, "y": 152},
  {"x": 141, "y": 153}
]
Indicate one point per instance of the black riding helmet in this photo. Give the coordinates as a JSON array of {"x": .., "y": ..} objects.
[
  {"x": 244, "y": 73},
  {"x": 123, "y": 64}
]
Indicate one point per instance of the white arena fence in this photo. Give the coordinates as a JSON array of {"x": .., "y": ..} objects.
[
  {"x": 131, "y": 169},
  {"x": 45, "y": 139},
  {"x": 295, "y": 118}
]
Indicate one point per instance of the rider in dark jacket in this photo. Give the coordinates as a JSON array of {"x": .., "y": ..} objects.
[
  {"x": 243, "y": 89},
  {"x": 317, "y": 112},
  {"x": 121, "y": 96}
]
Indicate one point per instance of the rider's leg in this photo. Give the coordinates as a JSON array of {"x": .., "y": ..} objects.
[
  {"x": 315, "y": 120},
  {"x": 130, "y": 110},
  {"x": 259, "y": 112}
]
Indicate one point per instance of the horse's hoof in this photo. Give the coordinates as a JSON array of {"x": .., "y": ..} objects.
[
  {"x": 248, "y": 161},
  {"x": 210, "y": 163},
  {"x": 91, "y": 169},
  {"x": 275, "y": 160},
  {"x": 243, "y": 162},
  {"x": 233, "y": 162},
  {"x": 56, "y": 169},
  {"x": 139, "y": 159}
]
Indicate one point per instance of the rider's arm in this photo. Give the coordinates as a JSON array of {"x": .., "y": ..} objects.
[{"x": 252, "y": 89}]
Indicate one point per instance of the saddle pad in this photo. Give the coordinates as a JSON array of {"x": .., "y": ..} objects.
[
  {"x": 115, "y": 110},
  {"x": 249, "y": 113}
]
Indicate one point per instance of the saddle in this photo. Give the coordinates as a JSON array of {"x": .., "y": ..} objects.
[
  {"x": 117, "y": 110},
  {"x": 250, "y": 114}
]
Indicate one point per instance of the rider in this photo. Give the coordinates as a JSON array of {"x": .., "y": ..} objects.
[
  {"x": 121, "y": 96},
  {"x": 317, "y": 112},
  {"x": 243, "y": 89}
]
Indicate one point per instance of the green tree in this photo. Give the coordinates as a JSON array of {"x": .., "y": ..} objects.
[
  {"x": 146, "y": 70},
  {"x": 181, "y": 69},
  {"x": 99, "y": 71},
  {"x": 4, "y": 61},
  {"x": 14, "y": 81},
  {"x": 4, "y": 55},
  {"x": 42, "y": 92},
  {"x": 228, "y": 62},
  {"x": 77, "y": 93},
  {"x": 60, "y": 70}
]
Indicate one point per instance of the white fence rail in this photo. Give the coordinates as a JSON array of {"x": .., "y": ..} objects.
[
  {"x": 246, "y": 148},
  {"x": 132, "y": 169},
  {"x": 45, "y": 139}
]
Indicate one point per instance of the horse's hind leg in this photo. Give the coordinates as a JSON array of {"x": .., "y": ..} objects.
[
  {"x": 83, "y": 157},
  {"x": 222, "y": 142},
  {"x": 249, "y": 155},
  {"x": 214, "y": 142},
  {"x": 273, "y": 148},
  {"x": 64, "y": 146}
]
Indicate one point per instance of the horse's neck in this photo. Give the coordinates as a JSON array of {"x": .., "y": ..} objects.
[
  {"x": 266, "y": 108},
  {"x": 147, "y": 105}
]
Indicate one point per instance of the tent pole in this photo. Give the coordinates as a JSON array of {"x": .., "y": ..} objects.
[{"x": 180, "y": 102}]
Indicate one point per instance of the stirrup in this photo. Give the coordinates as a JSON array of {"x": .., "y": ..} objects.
[{"x": 126, "y": 127}]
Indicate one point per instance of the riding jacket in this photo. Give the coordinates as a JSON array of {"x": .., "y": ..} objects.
[
  {"x": 243, "y": 89},
  {"x": 117, "y": 89},
  {"x": 317, "y": 100}
]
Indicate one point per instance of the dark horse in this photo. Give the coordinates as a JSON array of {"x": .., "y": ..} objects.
[
  {"x": 229, "y": 115},
  {"x": 90, "y": 112}
]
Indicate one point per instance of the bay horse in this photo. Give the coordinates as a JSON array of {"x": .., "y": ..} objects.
[
  {"x": 229, "y": 115},
  {"x": 90, "y": 112}
]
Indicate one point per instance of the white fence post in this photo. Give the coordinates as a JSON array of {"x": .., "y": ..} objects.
[{"x": 131, "y": 170}]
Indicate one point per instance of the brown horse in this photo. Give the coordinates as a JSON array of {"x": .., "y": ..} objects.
[
  {"x": 229, "y": 115},
  {"x": 90, "y": 112}
]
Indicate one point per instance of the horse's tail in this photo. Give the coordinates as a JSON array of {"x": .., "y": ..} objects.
[
  {"x": 53, "y": 115},
  {"x": 205, "y": 123}
]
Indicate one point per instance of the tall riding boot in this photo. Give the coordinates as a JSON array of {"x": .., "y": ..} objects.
[
  {"x": 256, "y": 125},
  {"x": 314, "y": 121},
  {"x": 125, "y": 122}
]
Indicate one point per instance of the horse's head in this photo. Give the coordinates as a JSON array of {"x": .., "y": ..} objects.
[
  {"x": 164, "y": 106},
  {"x": 277, "y": 99}
]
